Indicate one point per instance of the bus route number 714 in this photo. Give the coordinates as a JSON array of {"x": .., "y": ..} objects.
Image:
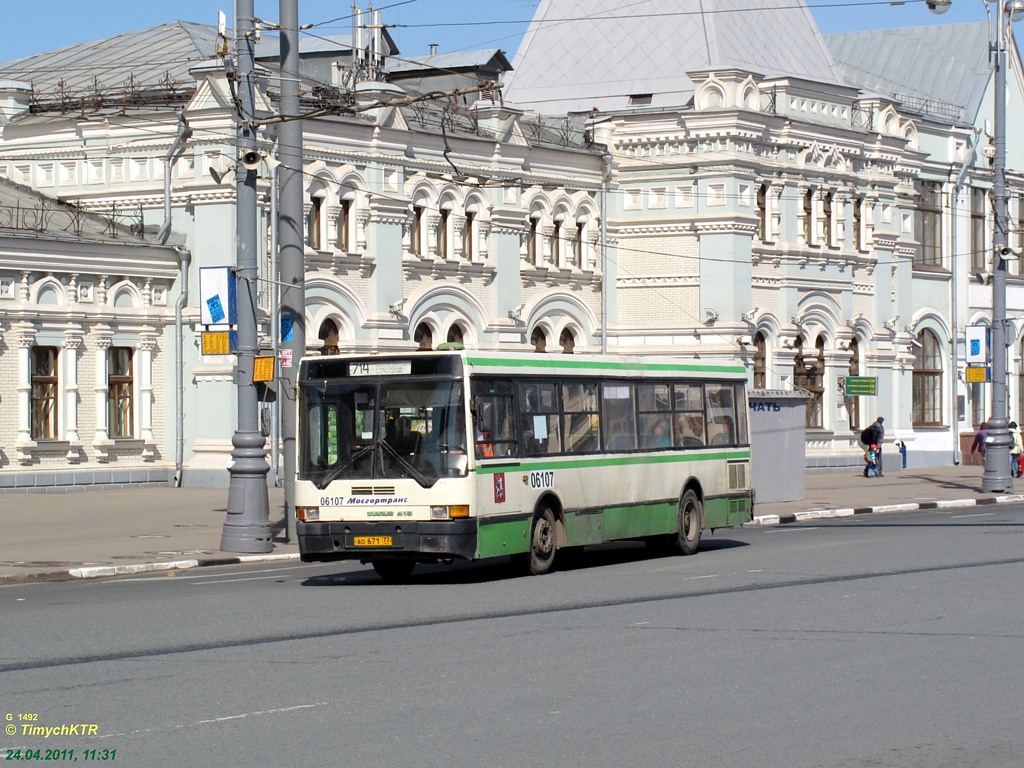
[{"x": 541, "y": 480}]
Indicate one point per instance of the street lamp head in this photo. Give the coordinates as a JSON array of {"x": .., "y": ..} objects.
[
  {"x": 1014, "y": 9},
  {"x": 938, "y": 7}
]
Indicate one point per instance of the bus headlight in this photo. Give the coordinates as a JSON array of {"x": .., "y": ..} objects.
[
  {"x": 449, "y": 512},
  {"x": 307, "y": 514}
]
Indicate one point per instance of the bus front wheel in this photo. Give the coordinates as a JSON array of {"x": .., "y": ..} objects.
[
  {"x": 690, "y": 516},
  {"x": 542, "y": 542},
  {"x": 393, "y": 570}
]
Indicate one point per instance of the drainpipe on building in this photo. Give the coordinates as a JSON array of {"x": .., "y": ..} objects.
[
  {"x": 184, "y": 261},
  {"x": 184, "y": 134},
  {"x": 954, "y": 304}
]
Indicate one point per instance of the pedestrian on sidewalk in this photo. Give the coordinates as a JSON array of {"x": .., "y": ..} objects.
[
  {"x": 875, "y": 434},
  {"x": 871, "y": 461},
  {"x": 981, "y": 440},
  {"x": 1016, "y": 450}
]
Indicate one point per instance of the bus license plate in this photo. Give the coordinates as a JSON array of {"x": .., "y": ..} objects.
[{"x": 373, "y": 541}]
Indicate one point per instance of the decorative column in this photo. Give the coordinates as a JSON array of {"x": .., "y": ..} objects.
[
  {"x": 72, "y": 343},
  {"x": 101, "y": 441},
  {"x": 433, "y": 222},
  {"x": 484, "y": 239},
  {"x": 773, "y": 212},
  {"x": 25, "y": 337},
  {"x": 147, "y": 343}
]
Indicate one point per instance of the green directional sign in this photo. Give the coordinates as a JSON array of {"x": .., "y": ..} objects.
[{"x": 861, "y": 385}]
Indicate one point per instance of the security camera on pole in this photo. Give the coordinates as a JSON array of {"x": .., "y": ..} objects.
[
  {"x": 247, "y": 527},
  {"x": 996, "y": 477}
]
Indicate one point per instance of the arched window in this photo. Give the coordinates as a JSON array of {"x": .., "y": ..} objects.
[
  {"x": 809, "y": 375},
  {"x": 328, "y": 334},
  {"x": 423, "y": 337},
  {"x": 762, "y": 212},
  {"x": 455, "y": 334},
  {"x": 533, "y": 249},
  {"x": 927, "y": 403},
  {"x": 444, "y": 232},
  {"x": 417, "y": 238},
  {"x": 979, "y": 249},
  {"x": 347, "y": 222},
  {"x": 556, "y": 242},
  {"x": 826, "y": 220},
  {"x": 469, "y": 234},
  {"x": 315, "y": 222},
  {"x": 809, "y": 217},
  {"x": 858, "y": 224},
  {"x": 567, "y": 341},
  {"x": 760, "y": 361},
  {"x": 539, "y": 340}
]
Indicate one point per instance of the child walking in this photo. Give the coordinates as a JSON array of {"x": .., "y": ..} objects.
[{"x": 871, "y": 461}]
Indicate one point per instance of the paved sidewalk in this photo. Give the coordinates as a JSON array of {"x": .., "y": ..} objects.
[
  {"x": 51, "y": 536},
  {"x": 84, "y": 534}
]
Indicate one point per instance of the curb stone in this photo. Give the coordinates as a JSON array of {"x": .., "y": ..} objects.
[
  {"x": 817, "y": 514},
  {"x": 99, "y": 571}
]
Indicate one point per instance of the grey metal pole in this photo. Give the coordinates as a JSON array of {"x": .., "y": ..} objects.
[
  {"x": 996, "y": 476},
  {"x": 291, "y": 247},
  {"x": 247, "y": 527}
]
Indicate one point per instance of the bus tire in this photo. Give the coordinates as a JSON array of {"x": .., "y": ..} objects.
[
  {"x": 691, "y": 514},
  {"x": 393, "y": 570},
  {"x": 543, "y": 544}
]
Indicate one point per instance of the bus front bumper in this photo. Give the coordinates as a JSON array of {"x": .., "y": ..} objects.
[{"x": 426, "y": 541}]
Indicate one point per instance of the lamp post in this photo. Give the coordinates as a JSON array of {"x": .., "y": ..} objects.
[
  {"x": 247, "y": 527},
  {"x": 996, "y": 476}
]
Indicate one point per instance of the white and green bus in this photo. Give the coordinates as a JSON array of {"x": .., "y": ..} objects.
[{"x": 456, "y": 454}]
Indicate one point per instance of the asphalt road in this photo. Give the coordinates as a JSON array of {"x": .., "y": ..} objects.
[{"x": 880, "y": 640}]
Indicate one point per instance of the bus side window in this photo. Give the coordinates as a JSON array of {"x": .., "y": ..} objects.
[
  {"x": 493, "y": 418},
  {"x": 721, "y": 414},
  {"x": 539, "y": 427},
  {"x": 484, "y": 428}
]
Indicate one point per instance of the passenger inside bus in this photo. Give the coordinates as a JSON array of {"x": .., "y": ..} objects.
[{"x": 690, "y": 430}]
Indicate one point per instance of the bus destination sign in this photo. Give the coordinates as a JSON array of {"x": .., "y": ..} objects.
[{"x": 380, "y": 368}]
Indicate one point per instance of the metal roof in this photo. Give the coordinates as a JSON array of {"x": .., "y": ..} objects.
[
  {"x": 941, "y": 69},
  {"x": 25, "y": 212},
  {"x": 452, "y": 61},
  {"x": 145, "y": 59},
  {"x": 580, "y": 54}
]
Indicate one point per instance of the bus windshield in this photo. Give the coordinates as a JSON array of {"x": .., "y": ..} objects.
[{"x": 390, "y": 429}]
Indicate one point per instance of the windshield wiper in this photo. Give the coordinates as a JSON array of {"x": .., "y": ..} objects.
[
  {"x": 329, "y": 477},
  {"x": 418, "y": 476}
]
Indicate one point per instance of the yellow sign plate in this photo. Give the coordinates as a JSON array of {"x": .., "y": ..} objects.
[
  {"x": 263, "y": 369},
  {"x": 976, "y": 375},
  {"x": 217, "y": 343}
]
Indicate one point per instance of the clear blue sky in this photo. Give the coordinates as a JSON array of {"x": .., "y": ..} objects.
[{"x": 44, "y": 25}]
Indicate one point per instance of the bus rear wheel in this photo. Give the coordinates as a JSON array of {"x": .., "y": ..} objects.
[
  {"x": 542, "y": 542},
  {"x": 393, "y": 570},
  {"x": 690, "y": 516}
]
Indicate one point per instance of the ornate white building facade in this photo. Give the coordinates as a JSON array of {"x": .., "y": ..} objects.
[{"x": 801, "y": 225}]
